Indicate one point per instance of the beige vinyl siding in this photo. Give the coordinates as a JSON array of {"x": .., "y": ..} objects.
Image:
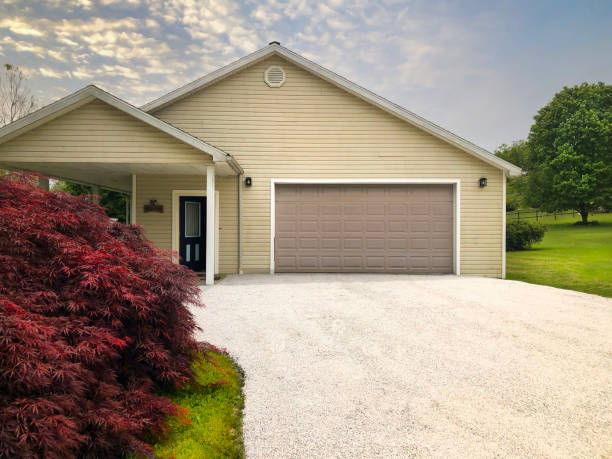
[
  {"x": 97, "y": 132},
  {"x": 158, "y": 226},
  {"x": 309, "y": 128}
]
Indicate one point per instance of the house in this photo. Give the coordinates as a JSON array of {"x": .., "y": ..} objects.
[{"x": 276, "y": 164}]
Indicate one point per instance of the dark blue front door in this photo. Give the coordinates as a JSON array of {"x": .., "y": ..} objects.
[{"x": 192, "y": 240}]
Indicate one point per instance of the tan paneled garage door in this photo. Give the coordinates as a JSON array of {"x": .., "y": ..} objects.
[{"x": 363, "y": 228}]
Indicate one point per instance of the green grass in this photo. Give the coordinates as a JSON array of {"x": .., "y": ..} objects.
[
  {"x": 211, "y": 426},
  {"x": 570, "y": 256}
]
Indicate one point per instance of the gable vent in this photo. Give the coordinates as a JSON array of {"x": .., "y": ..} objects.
[{"x": 274, "y": 76}]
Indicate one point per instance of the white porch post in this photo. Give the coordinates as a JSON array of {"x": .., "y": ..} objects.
[
  {"x": 133, "y": 200},
  {"x": 95, "y": 192},
  {"x": 43, "y": 182},
  {"x": 210, "y": 225}
]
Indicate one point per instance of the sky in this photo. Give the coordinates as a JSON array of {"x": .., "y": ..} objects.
[{"x": 481, "y": 69}]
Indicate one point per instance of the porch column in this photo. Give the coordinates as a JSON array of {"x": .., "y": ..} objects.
[
  {"x": 95, "y": 192},
  {"x": 43, "y": 182},
  {"x": 210, "y": 225},
  {"x": 133, "y": 201}
]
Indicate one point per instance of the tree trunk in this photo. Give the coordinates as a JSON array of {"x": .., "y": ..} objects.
[{"x": 585, "y": 215}]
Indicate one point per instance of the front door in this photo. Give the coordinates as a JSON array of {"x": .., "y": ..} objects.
[{"x": 192, "y": 239}]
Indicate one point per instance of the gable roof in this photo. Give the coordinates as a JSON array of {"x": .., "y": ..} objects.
[
  {"x": 88, "y": 94},
  {"x": 276, "y": 49}
]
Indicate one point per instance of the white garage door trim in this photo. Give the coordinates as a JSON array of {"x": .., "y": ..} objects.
[{"x": 406, "y": 181}]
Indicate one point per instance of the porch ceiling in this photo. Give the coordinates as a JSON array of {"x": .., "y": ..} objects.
[{"x": 114, "y": 176}]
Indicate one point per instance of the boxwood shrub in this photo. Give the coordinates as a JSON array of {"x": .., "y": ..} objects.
[{"x": 521, "y": 234}]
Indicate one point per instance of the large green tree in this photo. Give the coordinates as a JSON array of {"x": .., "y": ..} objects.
[
  {"x": 517, "y": 154},
  {"x": 570, "y": 143}
]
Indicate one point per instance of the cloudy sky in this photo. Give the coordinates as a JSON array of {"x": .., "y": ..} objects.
[{"x": 478, "y": 68}]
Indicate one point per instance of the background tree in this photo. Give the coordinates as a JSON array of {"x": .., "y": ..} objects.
[
  {"x": 570, "y": 151},
  {"x": 16, "y": 99},
  {"x": 516, "y": 191},
  {"x": 114, "y": 202}
]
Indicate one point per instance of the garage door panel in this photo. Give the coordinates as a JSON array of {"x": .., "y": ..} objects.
[
  {"x": 286, "y": 226},
  {"x": 286, "y": 209},
  {"x": 375, "y": 226},
  {"x": 309, "y": 243},
  {"x": 397, "y": 262},
  {"x": 330, "y": 243},
  {"x": 353, "y": 226},
  {"x": 353, "y": 261},
  {"x": 395, "y": 226},
  {"x": 286, "y": 242},
  {"x": 352, "y": 243},
  {"x": 440, "y": 243},
  {"x": 375, "y": 262},
  {"x": 352, "y": 209},
  {"x": 441, "y": 262},
  {"x": 372, "y": 228},
  {"x": 330, "y": 193},
  {"x": 375, "y": 209},
  {"x": 373, "y": 193},
  {"x": 309, "y": 209},
  {"x": 397, "y": 209},
  {"x": 397, "y": 244},
  {"x": 376, "y": 244},
  {"x": 419, "y": 243},
  {"x": 330, "y": 262},
  {"x": 308, "y": 261},
  {"x": 419, "y": 209},
  {"x": 332, "y": 226}
]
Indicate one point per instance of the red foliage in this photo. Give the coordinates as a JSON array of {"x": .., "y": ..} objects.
[{"x": 93, "y": 321}]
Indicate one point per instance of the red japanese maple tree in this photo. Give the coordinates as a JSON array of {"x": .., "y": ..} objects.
[{"x": 93, "y": 322}]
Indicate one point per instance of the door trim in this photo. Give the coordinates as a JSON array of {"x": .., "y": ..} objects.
[
  {"x": 401, "y": 181},
  {"x": 176, "y": 194}
]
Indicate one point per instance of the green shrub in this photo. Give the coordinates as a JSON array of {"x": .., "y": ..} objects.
[{"x": 520, "y": 234}]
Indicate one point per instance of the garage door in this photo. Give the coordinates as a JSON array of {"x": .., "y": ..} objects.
[{"x": 363, "y": 228}]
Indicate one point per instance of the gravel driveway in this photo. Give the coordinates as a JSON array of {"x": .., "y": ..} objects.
[{"x": 394, "y": 365}]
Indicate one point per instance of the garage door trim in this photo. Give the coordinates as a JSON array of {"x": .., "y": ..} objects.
[{"x": 404, "y": 181}]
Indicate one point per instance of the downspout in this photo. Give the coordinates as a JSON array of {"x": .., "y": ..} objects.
[
  {"x": 236, "y": 167},
  {"x": 240, "y": 268}
]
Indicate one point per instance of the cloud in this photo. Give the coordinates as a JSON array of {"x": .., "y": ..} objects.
[
  {"x": 20, "y": 27},
  {"x": 81, "y": 74},
  {"x": 266, "y": 15},
  {"x": 50, "y": 73},
  {"x": 24, "y": 46}
]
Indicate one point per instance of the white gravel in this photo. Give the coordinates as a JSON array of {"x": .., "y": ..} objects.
[{"x": 395, "y": 366}]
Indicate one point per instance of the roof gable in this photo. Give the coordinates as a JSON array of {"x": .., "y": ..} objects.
[
  {"x": 339, "y": 81},
  {"x": 89, "y": 94}
]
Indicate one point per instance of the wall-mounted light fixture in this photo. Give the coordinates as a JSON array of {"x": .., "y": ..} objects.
[
  {"x": 248, "y": 181},
  {"x": 482, "y": 182}
]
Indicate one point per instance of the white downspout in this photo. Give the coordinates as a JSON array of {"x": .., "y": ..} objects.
[
  {"x": 210, "y": 225},
  {"x": 240, "y": 267}
]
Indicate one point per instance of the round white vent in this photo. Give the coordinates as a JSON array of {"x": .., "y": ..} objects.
[{"x": 274, "y": 76}]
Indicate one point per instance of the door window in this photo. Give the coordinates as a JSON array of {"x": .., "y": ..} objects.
[{"x": 192, "y": 219}]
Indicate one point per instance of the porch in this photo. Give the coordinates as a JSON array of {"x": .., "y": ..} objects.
[{"x": 95, "y": 139}]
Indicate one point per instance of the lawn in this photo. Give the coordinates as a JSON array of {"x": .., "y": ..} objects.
[
  {"x": 210, "y": 425},
  {"x": 570, "y": 256}
]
